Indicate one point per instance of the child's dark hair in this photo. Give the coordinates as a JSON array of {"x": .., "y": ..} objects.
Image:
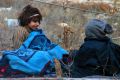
[{"x": 28, "y": 14}]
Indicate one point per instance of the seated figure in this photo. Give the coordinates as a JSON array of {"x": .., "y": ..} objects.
[
  {"x": 98, "y": 55},
  {"x": 36, "y": 52}
]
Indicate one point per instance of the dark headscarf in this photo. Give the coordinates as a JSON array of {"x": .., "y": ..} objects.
[{"x": 97, "y": 29}]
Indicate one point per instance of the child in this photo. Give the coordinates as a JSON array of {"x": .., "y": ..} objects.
[
  {"x": 36, "y": 52},
  {"x": 98, "y": 55}
]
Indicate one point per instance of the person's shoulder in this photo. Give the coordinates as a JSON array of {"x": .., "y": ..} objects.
[
  {"x": 20, "y": 32},
  {"x": 20, "y": 29},
  {"x": 19, "y": 36},
  {"x": 91, "y": 44}
]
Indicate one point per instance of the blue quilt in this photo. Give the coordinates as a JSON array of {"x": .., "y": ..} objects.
[{"x": 36, "y": 52}]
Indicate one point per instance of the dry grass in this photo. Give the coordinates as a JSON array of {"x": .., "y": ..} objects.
[{"x": 70, "y": 38}]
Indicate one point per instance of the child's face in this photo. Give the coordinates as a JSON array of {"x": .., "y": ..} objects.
[{"x": 34, "y": 24}]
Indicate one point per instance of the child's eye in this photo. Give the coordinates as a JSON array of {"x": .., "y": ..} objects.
[{"x": 35, "y": 20}]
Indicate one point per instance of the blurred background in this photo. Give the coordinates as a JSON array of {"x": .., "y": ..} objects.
[{"x": 63, "y": 20}]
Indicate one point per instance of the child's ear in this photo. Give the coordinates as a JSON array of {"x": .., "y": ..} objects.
[{"x": 108, "y": 29}]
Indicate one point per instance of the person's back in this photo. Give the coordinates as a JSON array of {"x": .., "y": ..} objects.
[{"x": 98, "y": 55}]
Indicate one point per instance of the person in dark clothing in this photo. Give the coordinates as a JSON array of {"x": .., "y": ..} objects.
[{"x": 98, "y": 55}]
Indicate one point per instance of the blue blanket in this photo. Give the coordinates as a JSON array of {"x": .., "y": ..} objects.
[{"x": 34, "y": 54}]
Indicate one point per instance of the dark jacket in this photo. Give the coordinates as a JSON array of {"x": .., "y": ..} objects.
[{"x": 97, "y": 57}]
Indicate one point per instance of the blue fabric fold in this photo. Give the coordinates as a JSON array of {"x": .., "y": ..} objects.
[{"x": 35, "y": 52}]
